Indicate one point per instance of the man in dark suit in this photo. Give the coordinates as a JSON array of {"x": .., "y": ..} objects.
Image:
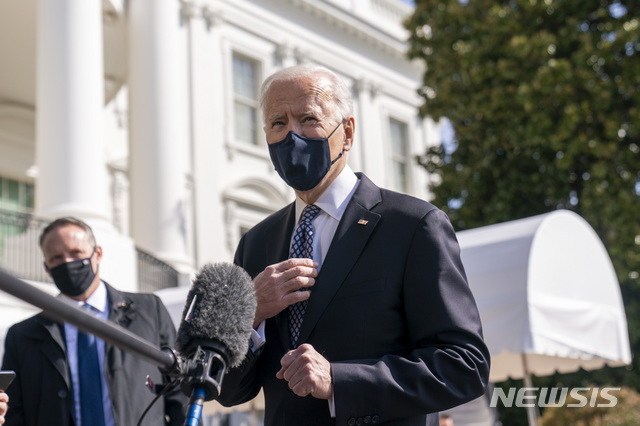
[
  {"x": 390, "y": 331},
  {"x": 50, "y": 386}
]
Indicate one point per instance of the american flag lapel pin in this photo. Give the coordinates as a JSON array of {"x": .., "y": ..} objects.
[{"x": 362, "y": 222}]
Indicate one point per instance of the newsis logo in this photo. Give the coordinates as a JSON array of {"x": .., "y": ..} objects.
[{"x": 554, "y": 397}]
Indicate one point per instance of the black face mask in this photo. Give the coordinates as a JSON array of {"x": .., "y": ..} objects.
[
  {"x": 74, "y": 278},
  {"x": 302, "y": 162}
]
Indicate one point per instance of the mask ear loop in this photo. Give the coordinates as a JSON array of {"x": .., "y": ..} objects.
[
  {"x": 337, "y": 158},
  {"x": 342, "y": 152},
  {"x": 90, "y": 257}
]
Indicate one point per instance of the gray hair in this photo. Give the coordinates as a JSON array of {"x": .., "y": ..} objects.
[{"x": 341, "y": 94}]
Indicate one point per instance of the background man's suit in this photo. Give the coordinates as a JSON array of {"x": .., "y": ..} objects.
[
  {"x": 42, "y": 395},
  {"x": 390, "y": 309}
]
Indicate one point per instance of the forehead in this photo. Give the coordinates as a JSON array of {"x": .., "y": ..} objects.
[
  {"x": 65, "y": 235},
  {"x": 297, "y": 95}
]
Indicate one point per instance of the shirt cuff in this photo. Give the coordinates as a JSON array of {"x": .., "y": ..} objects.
[
  {"x": 258, "y": 338},
  {"x": 332, "y": 404}
]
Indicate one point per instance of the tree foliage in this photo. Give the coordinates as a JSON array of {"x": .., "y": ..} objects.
[
  {"x": 544, "y": 99},
  {"x": 626, "y": 412}
]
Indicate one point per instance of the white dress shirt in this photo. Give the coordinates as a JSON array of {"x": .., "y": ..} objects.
[{"x": 333, "y": 202}]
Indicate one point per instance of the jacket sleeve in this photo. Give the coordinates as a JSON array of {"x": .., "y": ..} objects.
[{"x": 448, "y": 363}]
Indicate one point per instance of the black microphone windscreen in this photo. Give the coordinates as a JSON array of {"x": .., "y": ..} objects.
[{"x": 223, "y": 311}]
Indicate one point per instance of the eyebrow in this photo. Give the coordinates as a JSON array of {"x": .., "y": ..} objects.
[
  {"x": 274, "y": 117},
  {"x": 304, "y": 113}
]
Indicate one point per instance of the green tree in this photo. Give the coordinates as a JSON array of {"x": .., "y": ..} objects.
[
  {"x": 626, "y": 412},
  {"x": 544, "y": 99}
]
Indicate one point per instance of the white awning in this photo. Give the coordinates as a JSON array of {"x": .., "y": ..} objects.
[{"x": 548, "y": 296}]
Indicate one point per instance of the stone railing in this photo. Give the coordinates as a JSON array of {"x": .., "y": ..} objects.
[{"x": 20, "y": 254}]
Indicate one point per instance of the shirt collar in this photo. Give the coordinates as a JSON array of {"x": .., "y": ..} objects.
[
  {"x": 334, "y": 200},
  {"x": 97, "y": 300}
]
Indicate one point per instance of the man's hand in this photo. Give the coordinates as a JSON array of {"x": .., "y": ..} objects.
[
  {"x": 4, "y": 401},
  {"x": 307, "y": 372},
  {"x": 277, "y": 286}
]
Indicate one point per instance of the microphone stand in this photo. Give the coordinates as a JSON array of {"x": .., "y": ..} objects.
[
  {"x": 200, "y": 374},
  {"x": 203, "y": 373},
  {"x": 61, "y": 310}
]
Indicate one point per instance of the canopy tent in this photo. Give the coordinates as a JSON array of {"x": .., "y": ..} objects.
[
  {"x": 546, "y": 288},
  {"x": 548, "y": 296}
]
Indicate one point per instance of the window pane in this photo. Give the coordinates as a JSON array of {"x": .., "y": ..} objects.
[
  {"x": 245, "y": 123},
  {"x": 399, "y": 154},
  {"x": 244, "y": 77},
  {"x": 13, "y": 193},
  {"x": 245, "y": 88},
  {"x": 400, "y": 176},
  {"x": 28, "y": 197},
  {"x": 16, "y": 196},
  {"x": 398, "y": 138}
]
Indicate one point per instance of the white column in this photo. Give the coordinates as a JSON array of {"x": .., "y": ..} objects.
[
  {"x": 208, "y": 112},
  {"x": 70, "y": 146},
  {"x": 160, "y": 140},
  {"x": 70, "y": 154},
  {"x": 370, "y": 129}
]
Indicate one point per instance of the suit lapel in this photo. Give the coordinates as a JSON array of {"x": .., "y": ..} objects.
[
  {"x": 55, "y": 346},
  {"x": 278, "y": 238},
  {"x": 355, "y": 229},
  {"x": 122, "y": 311}
]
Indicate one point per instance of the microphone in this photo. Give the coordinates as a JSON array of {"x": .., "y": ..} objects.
[{"x": 215, "y": 330}]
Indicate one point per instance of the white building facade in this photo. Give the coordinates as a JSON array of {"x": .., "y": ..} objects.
[{"x": 141, "y": 117}]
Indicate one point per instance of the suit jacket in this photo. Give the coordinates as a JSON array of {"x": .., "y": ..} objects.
[
  {"x": 391, "y": 310},
  {"x": 42, "y": 393}
]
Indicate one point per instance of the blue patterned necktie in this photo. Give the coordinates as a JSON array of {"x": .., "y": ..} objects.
[
  {"x": 91, "y": 408},
  {"x": 301, "y": 247}
]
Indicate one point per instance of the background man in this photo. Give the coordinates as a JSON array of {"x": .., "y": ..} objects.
[
  {"x": 390, "y": 332},
  {"x": 59, "y": 368}
]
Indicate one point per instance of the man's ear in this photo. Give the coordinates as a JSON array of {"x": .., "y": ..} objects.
[
  {"x": 98, "y": 253},
  {"x": 349, "y": 133},
  {"x": 46, "y": 268}
]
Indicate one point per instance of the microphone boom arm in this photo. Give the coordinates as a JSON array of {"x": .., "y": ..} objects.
[{"x": 62, "y": 311}]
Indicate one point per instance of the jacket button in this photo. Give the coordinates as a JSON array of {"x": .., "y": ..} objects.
[
  {"x": 359, "y": 421},
  {"x": 375, "y": 419},
  {"x": 367, "y": 420},
  {"x": 352, "y": 421},
  {"x": 62, "y": 394}
]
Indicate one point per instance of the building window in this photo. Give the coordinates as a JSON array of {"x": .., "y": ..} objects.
[
  {"x": 19, "y": 252},
  {"x": 246, "y": 79},
  {"x": 16, "y": 196},
  {"x": 399, "y": 154}
]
